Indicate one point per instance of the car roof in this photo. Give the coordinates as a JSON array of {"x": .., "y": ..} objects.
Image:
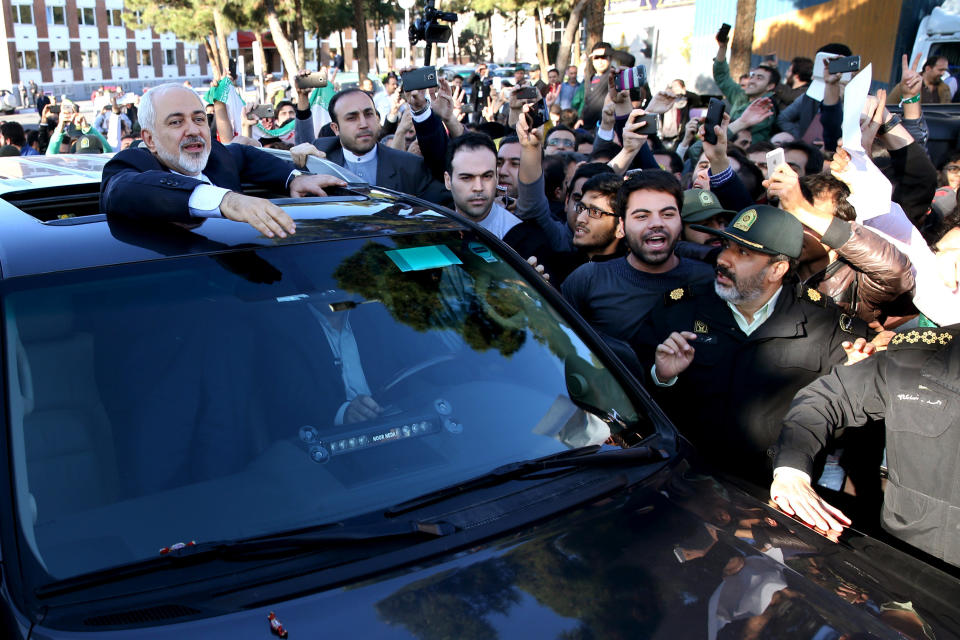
[{"x": 50, "y": 220}]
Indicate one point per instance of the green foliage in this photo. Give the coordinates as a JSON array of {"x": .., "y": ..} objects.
[
  {"x": 189, "y": 20},
  {"x": 473, "y": 40}
]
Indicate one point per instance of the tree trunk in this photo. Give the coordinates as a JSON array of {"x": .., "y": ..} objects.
[
  {"x": 569, "y": 35},
  {"x": 594, "y": 30},
  {"x": 542, "y": 56},
  {"x": 258, "y": 44},
  {"x": 742, "y": 45},
  {"x": 298, "y": 35},
  {"x": 391, "y": 47},
  {"x": 280, "y": 39},
  {"x": 490, "y": 33},
  {"x": 210, "y": 44},
  {"x": 221, "y": 27},
  {"x": 360, "y": 29}
]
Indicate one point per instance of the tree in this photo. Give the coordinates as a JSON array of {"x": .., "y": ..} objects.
[
  {"x": 595, "y": 11},
  {"x": 569, "y": 35},
  {"x": 742, "y": 45},
  {"x": 189, "y": 20},
  {"x": 360, "y": 29}
]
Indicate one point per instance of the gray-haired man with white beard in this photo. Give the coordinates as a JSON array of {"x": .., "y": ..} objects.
[
  {"x": 183, "y": 176},
  {"x": 729, "y": 355}
]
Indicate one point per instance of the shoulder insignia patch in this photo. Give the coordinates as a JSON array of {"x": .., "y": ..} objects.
[
  {"x": 812, "y": 295},
  {"x": 922, "y": 338},
  {"x": 675, "y": 295}
]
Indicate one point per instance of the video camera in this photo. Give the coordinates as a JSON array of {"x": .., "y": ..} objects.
[{"x": 428, "y": 28}]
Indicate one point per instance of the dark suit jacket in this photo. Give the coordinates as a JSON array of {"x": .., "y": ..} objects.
[
  {"x": 136, "y": 185},
  {"x": 398, "y": 170}
]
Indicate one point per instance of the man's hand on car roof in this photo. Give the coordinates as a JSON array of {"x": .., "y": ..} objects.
[
  {"x": 262, "y": 215},
  {"x": 310, "y": 184},
  {"x": 300, "y": 152}
]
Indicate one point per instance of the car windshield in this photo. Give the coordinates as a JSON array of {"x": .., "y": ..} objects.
[{"x": 215, "y": 397}]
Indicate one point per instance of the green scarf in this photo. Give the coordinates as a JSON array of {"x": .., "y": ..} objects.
[{"x": 282, "y": 131}]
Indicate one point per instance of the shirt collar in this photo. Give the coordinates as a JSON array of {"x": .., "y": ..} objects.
[
  {"x": 761, "y": 316},
  {"x": 369, "y": 156}
]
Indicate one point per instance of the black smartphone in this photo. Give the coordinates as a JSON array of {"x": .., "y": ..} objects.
[
  {"x": 714, "y": 117},
  {"x": 535, "y": 117},
  {"x": 651, "y": 122},
  {"x": 312, "y": 81},
  {"x": 844, "y": 65},
  {"x": 723, "y": 34},
  {"x": 264, "y": 111},
  {"x": 54, "y": 109},
  {"x": 632, "y": 78},
  {"x": 422, "y": 78},
  {"x": 526, "y": 93}
]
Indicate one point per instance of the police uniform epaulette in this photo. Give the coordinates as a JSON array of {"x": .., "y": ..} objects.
[
  {"x": 924, "y": 337},
  {"x": 811, "y": 295},
  {"x": 675, "y": 295}
]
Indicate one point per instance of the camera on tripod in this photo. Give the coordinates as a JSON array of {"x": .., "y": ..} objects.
[{"x": 428, "y": 27}]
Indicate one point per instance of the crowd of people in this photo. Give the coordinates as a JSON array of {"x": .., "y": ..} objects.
[{"x": 769, "y": 302}]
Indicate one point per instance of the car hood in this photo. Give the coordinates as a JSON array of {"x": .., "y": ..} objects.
[{"x": 693, "y": 558}]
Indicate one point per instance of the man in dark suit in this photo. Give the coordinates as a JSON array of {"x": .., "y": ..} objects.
[
  {"x": 356, "y": 124},
  {"x": 182, "y": 175}
]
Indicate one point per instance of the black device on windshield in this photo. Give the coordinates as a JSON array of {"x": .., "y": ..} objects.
[{"x": 429, "y": 29}]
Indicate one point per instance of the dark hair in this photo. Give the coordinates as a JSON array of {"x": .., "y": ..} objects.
[
  {"x": 607, "y": 49},
  {"x": 554, "y": 69},
  {"x": 822, "y": 184},
  {"x": 773, "y": 71},
  {"x": 561, "y": 127},
  {"x": 932, "y": 61},
  {"x": 511, "y": 139},
  {"x": 763, "y": 146},
  {"x": 332, "y": 107},
  {"x": 750, "y": 175},
  {"x": 814, "y": 156},
  {"x": 803, "y": 68},
  {"x": 836, "y": 48},
  {"x": 587, "y": 171},
  {"x": 568, "y": 118},
  {"x": 33, "y": 136},
  {"x": 605, "y": 152},
  {"x": 606, "y": 184},
  {"x": 676, "y": 163},
  {"x": 682, "y": 83},
  {"x": 468, "y": 141},
  {"x": 583, "y": 137},
  {"x": 651, "y": 180},
  {"x": 13, "y": 132},
  {"x": 554, "y": 170}
]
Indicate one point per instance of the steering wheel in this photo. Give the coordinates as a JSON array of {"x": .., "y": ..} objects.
[{"x": 415, "y": 368}]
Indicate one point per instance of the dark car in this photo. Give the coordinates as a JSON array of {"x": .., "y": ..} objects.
[{"x": 185, "y": 454}]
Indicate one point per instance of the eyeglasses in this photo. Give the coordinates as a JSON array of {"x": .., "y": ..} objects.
[
  {"x": 593, "y": 212},
  {"x": 599, "y": 57},
  {"x": 952, "y": 168},
  {"x": 560, "y": 142}
]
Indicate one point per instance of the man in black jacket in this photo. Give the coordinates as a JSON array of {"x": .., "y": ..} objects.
[
  {"x": 729, "y": 355},
  {"x": 595, "y": 88},
  {"x": 182, "y": 176},
  {"x": 914, "y": 387}
]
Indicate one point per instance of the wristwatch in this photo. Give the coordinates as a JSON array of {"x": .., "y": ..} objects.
[{"x": 888, "y": 126}]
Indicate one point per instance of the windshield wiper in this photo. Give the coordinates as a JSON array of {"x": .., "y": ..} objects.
[
  {"x": 312, "y": 539},
  {"x": 581, "y": 457}
]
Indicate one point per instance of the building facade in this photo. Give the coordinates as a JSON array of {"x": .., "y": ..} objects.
[{"x": 71, "y": 47}]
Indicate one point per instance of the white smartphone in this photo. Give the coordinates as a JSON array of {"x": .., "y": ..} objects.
[{"x": 775, "y": 158}]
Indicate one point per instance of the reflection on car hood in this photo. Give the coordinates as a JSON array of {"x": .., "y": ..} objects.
[{"x": 614, "y": 570}]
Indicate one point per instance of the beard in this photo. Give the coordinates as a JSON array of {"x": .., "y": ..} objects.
[
  {"x": 649, "y": 255},
  {"x": 743, "y": 289},
  {"x": 186, "y": 162}
]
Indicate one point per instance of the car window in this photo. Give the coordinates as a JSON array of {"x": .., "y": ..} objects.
[{"x": 215, "y": 397}]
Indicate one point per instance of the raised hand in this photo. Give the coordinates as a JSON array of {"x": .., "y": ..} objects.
[
  {"x": 632, "y": 141},
  {"x": 911, "y": 82},
  {"x": 661, "y": 102},
  {"x": 674, "y": 355},
  {"x": 529, "y": 138},
  {"x": 758, "y": 111}
]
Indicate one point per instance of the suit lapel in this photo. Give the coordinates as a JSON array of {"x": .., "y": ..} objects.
[
  {"x": 221, "y": 169},
  {"x": 386, "y": 170}
]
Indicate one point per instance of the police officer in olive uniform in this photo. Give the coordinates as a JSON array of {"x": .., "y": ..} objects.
[
  {"x": 915, "y": 386},
  {"x": 730, "y": 354}
]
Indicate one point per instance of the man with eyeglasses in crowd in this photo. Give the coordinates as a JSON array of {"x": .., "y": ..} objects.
[
  {"x": 560, "y": 139},
  {"x": 595, "y": 88}
]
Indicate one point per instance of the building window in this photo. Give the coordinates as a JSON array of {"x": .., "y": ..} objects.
[
  {"x": 90, "y": 59},
  {"x": 60, "y": 59},
  {"x": 22, "y": 13},
  {"x": 27, "y": 60},
  {"x": 190, "y": 56},
  {"x": 115, "y": 17},
  {"x": 56, "y": 15},
  {"x": 169, "y": 57},
  {"x": 118, "y": 58},
  {"x": 86, "y": 15},
  {"x": 144, "y": 58}
]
